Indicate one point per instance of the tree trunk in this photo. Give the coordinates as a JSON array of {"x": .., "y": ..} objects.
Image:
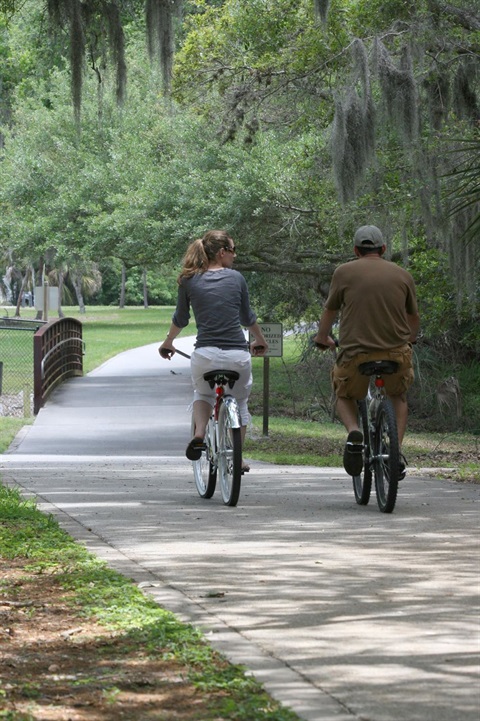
[
  {"x": 77, "y": 285},
  {"x": 145, "y": 289},
  {"x": 61, "y": 278},
  {"x": 20, "y": 295},
  {"x": 122, "y": 288}
]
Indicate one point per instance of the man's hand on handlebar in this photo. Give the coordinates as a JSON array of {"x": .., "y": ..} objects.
[{"x": 325, "y": 343}]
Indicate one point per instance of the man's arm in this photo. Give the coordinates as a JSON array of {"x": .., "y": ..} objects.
[
  {"x": 414, "y": 325},
  {"x": 324, "y": 328}
]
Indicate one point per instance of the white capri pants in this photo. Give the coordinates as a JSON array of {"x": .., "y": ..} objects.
[{"x": 210, "y": 358}]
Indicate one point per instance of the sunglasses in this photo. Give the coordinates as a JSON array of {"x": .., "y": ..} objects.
[{"x": 230, "y": 250}]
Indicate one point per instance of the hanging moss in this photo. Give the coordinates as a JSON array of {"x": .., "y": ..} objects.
[
  {"x": 437, "y": 88},
  {"x": 160, "y": 15},
  {"x": 353, "y": 132},
  {"x": 398, "y": 90},
  {"x": 83, "y": 20},
  {"x": 465, "y": 100},
  {"x": 77, "y": 54},
  {"x": 321, "y": 8},
  {"x": 117, "y": 44}
]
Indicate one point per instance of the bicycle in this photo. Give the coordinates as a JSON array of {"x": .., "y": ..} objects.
[
  {"x": 222, "y": 452},
  {"x": 381, "y": 452},
  {"x": 381, "y": 455}
]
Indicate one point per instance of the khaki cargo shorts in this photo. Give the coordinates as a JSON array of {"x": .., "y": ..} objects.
[{"x": 349, "y": 383}]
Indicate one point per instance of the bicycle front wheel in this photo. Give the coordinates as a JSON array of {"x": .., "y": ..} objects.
[
  {"x": 205, "y": 470},
  {"x": 362, "y": 484},
  {"x": 386, "y": 457},
  {"x": 229, "y": 457}
]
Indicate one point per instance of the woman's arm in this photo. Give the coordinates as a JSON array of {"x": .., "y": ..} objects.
[{"x": 167, "y": 344}]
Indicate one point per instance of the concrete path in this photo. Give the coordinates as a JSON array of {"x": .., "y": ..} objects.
[{"x": 342, "y": 612}]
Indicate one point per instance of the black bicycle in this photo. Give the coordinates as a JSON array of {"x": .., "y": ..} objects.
[
  {"x": 381, "y": 453},
  {"x": 381, "y": 456}
]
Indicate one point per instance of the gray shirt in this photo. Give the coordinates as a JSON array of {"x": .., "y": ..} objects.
[{"x": 221, "y": 306}]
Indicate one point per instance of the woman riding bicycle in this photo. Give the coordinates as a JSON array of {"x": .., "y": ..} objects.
[{"x": 218, "y": 297}]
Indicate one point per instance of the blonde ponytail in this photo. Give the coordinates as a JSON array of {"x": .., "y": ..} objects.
[{"x": 201, "y": 251}]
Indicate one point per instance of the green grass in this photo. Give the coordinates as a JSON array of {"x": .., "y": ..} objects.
[
  {"x": 310, "y": 443},
  {"x": 9, "y": 427},
  {"x": 300, "y": 403},
  {"x": 108, "y": 331},
  {"x": 116, "y": 603}
]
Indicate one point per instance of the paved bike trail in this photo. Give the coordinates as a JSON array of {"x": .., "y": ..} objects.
[{"x": 342, "y": 612}]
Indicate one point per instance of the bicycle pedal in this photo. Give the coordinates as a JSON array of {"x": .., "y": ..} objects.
[{"x": 354, "y": 447}]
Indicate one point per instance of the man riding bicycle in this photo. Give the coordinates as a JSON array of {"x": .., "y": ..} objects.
[{"x": 379, "y": 320}]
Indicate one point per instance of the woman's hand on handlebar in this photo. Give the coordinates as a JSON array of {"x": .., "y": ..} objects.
[
  {"x": 258, "y": 349},
  {"x": 166, "y": 351}
]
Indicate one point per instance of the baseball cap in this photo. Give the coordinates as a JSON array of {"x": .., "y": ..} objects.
[{"x": 368, "y": 236}]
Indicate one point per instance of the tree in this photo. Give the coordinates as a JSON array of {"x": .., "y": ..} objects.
[
  {"x": 286, "y": 131},
  {"x": 384, "y": 91}
]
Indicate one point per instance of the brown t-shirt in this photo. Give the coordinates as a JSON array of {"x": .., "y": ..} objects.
[{"x": 374, "y": 296}]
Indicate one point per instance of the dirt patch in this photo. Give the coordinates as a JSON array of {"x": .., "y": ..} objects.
[{"x": 58, "y": 666}]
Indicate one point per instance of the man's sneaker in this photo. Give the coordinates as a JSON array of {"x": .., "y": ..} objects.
[
  {"x": 402, "y": 467},
  {"x": 353, "y": 453}
]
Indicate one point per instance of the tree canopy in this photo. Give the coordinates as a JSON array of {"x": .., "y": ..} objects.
[{"x": 287, "y": 122}]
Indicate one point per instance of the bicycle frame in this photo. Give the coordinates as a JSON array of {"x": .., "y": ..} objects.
[
  {"x": 375, "y": 395},
  {"x": 223, "y": 441},
  {"x": 223, "y": 444}
]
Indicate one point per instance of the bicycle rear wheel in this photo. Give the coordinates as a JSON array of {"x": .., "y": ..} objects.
[
  {"x": 362, "y": 484},
  {"x": 386, "y": 457},
  {"x": 229, "y": 458},
  {"x": 204, "y": 470}
]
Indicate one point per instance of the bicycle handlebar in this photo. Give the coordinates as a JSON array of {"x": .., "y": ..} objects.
[
  {"x": 321, "y": 346},
  {"x": 166, "y": 353}
]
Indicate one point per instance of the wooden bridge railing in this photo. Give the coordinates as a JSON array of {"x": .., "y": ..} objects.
[{"x": 58, "y": 351}]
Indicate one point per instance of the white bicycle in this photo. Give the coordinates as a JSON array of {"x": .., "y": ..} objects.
[
  {"x": 222, "y": 451},
  {"x": 222, "y": 454}
]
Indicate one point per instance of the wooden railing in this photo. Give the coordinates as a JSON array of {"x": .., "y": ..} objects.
[{"x": 58, "y": 351}]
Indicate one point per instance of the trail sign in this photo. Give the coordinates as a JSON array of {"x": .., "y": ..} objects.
[{"x": 273, "y": 334}]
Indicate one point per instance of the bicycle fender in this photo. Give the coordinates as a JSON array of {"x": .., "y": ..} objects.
[{"x": 231, "y": 407}]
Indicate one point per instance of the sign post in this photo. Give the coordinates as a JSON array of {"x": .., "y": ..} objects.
[
  {"x": 46, "y": 298},
  {"x": 273, "y": 334}
]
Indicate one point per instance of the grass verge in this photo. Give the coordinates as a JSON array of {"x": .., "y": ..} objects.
[
  {"x": 120, "y": 632},
  {"x": 307, "y": 443}
]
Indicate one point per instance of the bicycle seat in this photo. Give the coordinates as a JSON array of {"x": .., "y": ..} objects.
[
  {"x": 221, "y": 377},
  {"x": 380, "y": 367}
]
